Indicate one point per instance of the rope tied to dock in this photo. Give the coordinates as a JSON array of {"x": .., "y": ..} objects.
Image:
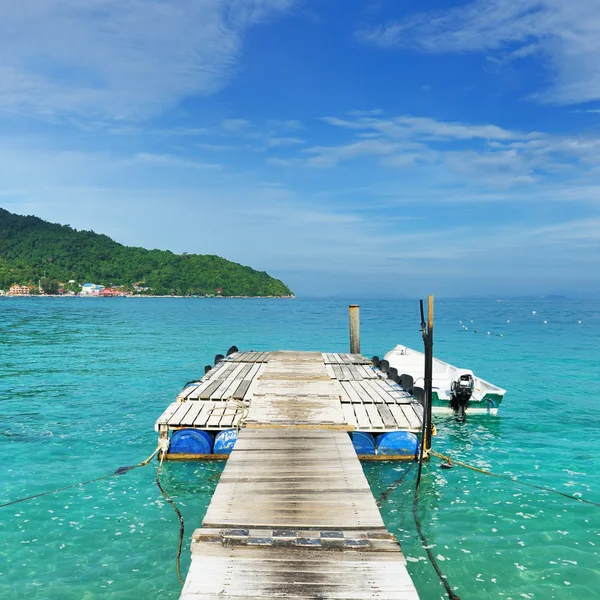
[
  {"x": 177, "y": 512},
  {"x": 238, "y": 406},
  {"x": 119, "y": 471},
  {"x": 512, "y": 479}
]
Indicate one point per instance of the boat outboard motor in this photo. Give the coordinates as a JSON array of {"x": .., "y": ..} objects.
[
  {"x": 218, "y": 358},
  {"x": 384, "y": 366},
  {"x": 207, "y": 368},
  {"x": 232, "y": 350},
  {"x": 393, "y": 374},
  {"x": 375, "y": 361},
  {"x": 462, "y": 390}
]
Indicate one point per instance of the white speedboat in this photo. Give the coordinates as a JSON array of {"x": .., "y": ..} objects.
[{"x": 453, "y": 389}]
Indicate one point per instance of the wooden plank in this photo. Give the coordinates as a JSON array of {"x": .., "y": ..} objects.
[
  {"x": 374, "y": 416},
  {"x": 350, "y": 394},
  {"x": 190, "y": 416},
  {"x": 381, "y": 392},
  {"x": 364, "y": 392},
  {"x": 367, "y": 372},
  {"x": 399, "y": 416},
  {"x": 330, "y": 371},
  {"x": 349, "y": 415},
  {"x": 196, "y": 392},
  {"x": 219, "y": 371},
  {"x": 216, "y": 412},
  {"x": 356, "y": 373},
  {"x": 222, "y": 391},
  {"x": 241, "y": 390},
  {"x": 202, "y": 417},
  {"x": 253, "y": 371},
  {"x": 386, "y": 416},
  {"x": 180, "y": 413},
  {"x": 347, "y": 373},
  {"x": 411, "y": 417},
  {"x": 208, "y": 391},
  {"x": 397, "y": 394},
  {"x": 187, "y": 391},
  {"x": 337, "y": 371},
  {"x": 164, "y": 418},
  {"x": 362, "y": 417}
]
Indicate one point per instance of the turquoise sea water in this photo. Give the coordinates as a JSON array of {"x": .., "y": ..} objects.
[{"x": 83, "y": 380}]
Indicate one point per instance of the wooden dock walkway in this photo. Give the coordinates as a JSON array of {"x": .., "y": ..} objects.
[
  {"x": 293, "y": 515},
  {"x": 327, "y": 389}
]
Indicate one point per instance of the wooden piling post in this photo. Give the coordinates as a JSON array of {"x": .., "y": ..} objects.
[
  {"x": 354, "y": 311},
  {"x": 428, "y": 373}
]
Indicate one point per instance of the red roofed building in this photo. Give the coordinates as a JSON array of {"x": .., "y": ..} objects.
[{"x": 109, "y": 292}]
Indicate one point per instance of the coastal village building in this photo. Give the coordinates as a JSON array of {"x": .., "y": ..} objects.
[
  {"x": 91, "y": 289},
  {"x": 107, "y": 292},
  {"x": 18, "y": 290}
]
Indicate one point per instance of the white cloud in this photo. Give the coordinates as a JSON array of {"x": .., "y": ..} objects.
[
  {"x": 408, "y": 126},
  {"x": 168, "y": 160},
  {"x": 566, "y": 35},
  {"x": 482, "y": 156},
  {"x": 120, "y": 58},
  {"x": 235, "y": 125},
  {"x": 283, "y": 141}
]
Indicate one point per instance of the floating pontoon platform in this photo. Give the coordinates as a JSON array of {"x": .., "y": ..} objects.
[{"x": 293, "y": 515}]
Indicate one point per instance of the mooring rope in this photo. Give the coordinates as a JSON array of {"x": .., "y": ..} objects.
[
  {"x": 179, "y": 516},
  {"x": 239, "y": 406},
  {"x": 119, "y": 471},
  {"x": 394, "y": 485},
  {"x": 450, "y": 461},
  {"x": 424, "y": 542}
]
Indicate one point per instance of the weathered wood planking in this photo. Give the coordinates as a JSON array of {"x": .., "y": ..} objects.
[
  {"x": 251, "y": 572},
  {"x": 345, "y": 359},
  {"x": 299, "y": 479},
  {"x": 285, "y": 499},
  {"x": 248, "y": 357},
  {"x": 301, "y": 389}
]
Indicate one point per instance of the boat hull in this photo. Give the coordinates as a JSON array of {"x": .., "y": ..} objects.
[{"x": 486, "y": 397}]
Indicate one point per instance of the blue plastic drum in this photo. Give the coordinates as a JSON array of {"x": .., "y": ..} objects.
[
  {"x": 363, "y": 443},
  {"x": 191, "y": 441},
  {"x": 225, "y": 441},
  {"x": 397, "y": 443}
]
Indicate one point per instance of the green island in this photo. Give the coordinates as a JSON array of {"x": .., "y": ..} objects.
[{"x": 53, "y": 257}]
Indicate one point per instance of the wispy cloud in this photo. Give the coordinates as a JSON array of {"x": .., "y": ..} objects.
[
  {"x": 566, "y": 35},
  {"x": 168, "y": 160},
  {"x": 284, "y": 141},
  {"x": 450, "y": 153},
  {"x": 120, "y": 58}
]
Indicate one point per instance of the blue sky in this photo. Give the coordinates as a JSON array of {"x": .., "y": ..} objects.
[{"x": 358, "y": 148}]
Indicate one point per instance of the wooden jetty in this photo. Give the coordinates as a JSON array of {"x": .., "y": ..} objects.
[
  {"x": 293, "y": 515},
  {"x": 281, "y": 389}
]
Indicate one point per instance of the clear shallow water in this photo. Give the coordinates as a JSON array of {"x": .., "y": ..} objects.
[{"x": 83, "y": 380}]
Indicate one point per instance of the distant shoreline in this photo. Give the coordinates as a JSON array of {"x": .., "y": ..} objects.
[{"x": 148, "y": 296}]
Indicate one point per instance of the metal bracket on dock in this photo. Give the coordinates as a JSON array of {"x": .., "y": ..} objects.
[{"x": 374, "y": 541}]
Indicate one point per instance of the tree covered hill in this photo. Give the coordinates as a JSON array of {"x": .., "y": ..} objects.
[{"x": 31, "y": 247}]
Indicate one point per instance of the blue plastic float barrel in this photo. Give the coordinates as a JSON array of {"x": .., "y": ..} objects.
[
  {"x": 225, "y": 441},
  {"x": 363, "y": 443},
  {"x": 397, "y": 443},
  {"x": 191, "y": 441}
]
